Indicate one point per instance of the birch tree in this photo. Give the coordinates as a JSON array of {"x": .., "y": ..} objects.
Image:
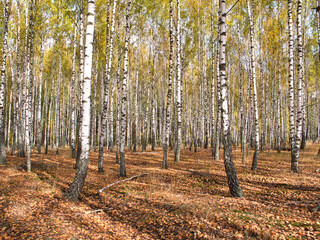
[
  {"x": 109, "y": 55},
  {"x": 2, "y": 81},
  {"x": 233, "y": 181},
  {"x": 39, "y": 117},
  {"x": 254, "y": 89},
  {"x": 81, "y": 172},
  {"x": 29, "y": 83},
  {"x": 124, "y": 93},
  {"x": 212, "y": 81},
  {"x": 298, "y": 132},
  {"x": 318, "y": 32},
  {"x": 179, "y": 97},
  {"x": 136, "y": 107},
  {"x": 167, "y": 124},
  {"x": 294, "y": 160},
  {"x": 73, "y": 94}
]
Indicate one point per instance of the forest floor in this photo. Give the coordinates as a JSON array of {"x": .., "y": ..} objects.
[{"x": 190, "y": 200}]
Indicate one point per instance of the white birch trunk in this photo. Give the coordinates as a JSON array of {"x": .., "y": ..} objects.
[
  {"x": 298, "y": 133},
  {"x": 39, "y": 116},
  {"x": 294, "y": 166},
  {"x": 2, "y": 82},
  {"x": 167, "y": 124},
  {"x": 124, "y": 94},
  {"x": 29, "y": 83},
  {"x": 254, "y": 89},
  {"x": 81, "y": 173},
  {"x": 109, "y": 56},
  {"x": 73, "y": 94},
  {"x": 17, "y": 122},
  {"x": 136, "y": 107},
  {"x": 233, "y": 182}
]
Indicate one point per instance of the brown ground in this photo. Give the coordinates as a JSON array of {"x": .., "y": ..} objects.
[{"x": 165, "y": 204}]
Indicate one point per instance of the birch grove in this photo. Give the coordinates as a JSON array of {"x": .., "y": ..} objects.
[{"x": 236, "y": 79}]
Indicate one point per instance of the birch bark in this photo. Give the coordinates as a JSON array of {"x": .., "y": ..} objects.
[
  {"x": 233, "y": 181},
  {"x": 2, "y": 82},
  {"x": 167, "y": 124},
  {"x": 109, "y": 56},
  {"x": 81, "y": 172},
  {"x": 124, "y": 93}
]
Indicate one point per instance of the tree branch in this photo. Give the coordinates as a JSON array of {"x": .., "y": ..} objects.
[{"x": 123, "y": 180}]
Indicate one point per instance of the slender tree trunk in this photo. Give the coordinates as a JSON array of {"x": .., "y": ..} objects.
[
  {"x": 111, "y": 111},
  {"x": 262, "y": 89},
  {"x": 13, "y": 102},
  {"x": 233, "y": 181},
  {"x": 294, "y": 163},
  {"x": 58, "y": 101},
  {"x": 169, "y": 95},
  {"x": 118, "y": 103},
  {"x": 179, "y": 97},
  {"x": 146, "y": 117},
  {"x": 124, "y": 93},
  {"x": 205, "y": 95},
  {"x": 82, "y": 56},
  {"x": 81, "y": 173},
  {"x": 136, "y": 107},
  {"x": 2, "y": 81},
  {"x": 218, "y": 122},
  {"x": 109, "y": 56},
  {"x": 29, "y": 83},
  {"x": 39, "y": 117},
  {"x": 73, "y": 94},
  {"x": 17, "y": 135},
  {"x": 298, "y": 133},
  {"x": 318, "y": 31},
  {"x": 279, "y": 89},
  {"x": 153, "y": 101},
  {"x": 254, "y": 89},
  {"x": 242, "y": 115},
  {"x": 212, "y": 83}
]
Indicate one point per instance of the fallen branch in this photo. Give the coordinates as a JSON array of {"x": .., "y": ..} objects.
[
  {"x": 123, "y": 180},
  {"x": 94, "y": 211}
]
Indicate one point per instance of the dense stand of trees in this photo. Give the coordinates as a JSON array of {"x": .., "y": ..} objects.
[{"x": 172, "y": 74}]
